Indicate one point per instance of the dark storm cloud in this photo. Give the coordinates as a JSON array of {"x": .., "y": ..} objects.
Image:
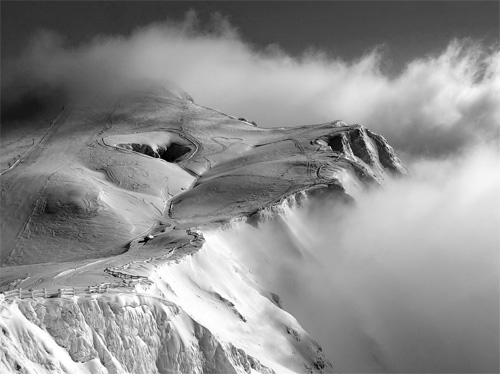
[{"x": 437, "y": 104}]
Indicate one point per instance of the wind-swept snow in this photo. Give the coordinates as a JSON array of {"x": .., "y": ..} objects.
[{"x": 112, "y": 210}]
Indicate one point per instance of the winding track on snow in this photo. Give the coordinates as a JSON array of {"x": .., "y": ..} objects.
[
  {"x": 54, "y": 125},
  {"x": 20, "y": 204}
]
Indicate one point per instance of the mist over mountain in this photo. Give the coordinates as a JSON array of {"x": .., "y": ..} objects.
[
  {"x": 436, "y": 105},
  {"x": 143, "y": 231},
  {"x": 107, "y": 213},
  {"x": 406, "y": 278}
]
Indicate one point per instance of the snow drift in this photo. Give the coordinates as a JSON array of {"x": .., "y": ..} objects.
[{"x": 113, "y": 258}]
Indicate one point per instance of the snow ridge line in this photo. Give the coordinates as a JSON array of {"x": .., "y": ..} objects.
[{"x": 119, "y": 274}]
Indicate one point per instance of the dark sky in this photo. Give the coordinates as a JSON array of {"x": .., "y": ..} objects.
[{"x": 407, "y": 29}]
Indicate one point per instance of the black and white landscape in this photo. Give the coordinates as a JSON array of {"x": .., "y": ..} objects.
[{"x": 257, "y": 187}]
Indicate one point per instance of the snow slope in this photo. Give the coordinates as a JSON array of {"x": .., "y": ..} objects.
[{"x": 78, "y": 207}]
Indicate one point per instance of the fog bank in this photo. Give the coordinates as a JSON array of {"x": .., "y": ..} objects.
[
  {"x": 436, "y": 105},
  {"x": 405, "y": 281}
]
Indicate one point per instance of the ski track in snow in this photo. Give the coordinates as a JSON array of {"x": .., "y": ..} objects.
[{"x": 227, "y": 157}]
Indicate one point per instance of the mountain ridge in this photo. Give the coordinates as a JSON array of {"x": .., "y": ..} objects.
[{"x": 125, "y": 195}]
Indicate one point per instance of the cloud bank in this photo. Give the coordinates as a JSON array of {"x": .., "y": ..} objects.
[
  {"x": 405, "y": 281},
  {"x": 437, "y": 105}
]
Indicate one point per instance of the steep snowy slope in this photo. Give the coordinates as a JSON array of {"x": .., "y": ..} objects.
[{"x": 104, "y": 264}]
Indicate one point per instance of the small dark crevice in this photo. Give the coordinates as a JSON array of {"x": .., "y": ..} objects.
[
  {"x": 144, "y": 149},
  {"x": 276, "y": 300},
  {"x": 335, "y": 144},
  {"x": 359, "y": 146},
  {"x": 172, "y": 153}
]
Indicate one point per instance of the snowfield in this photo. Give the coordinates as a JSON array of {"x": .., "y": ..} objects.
[{"x": 84, "y": 290}]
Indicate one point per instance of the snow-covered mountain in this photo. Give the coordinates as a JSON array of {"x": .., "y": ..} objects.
[{"x": 105, "y": 268}]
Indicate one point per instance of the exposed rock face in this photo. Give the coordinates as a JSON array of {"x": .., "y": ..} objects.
[
  {"x": 161, "y": 167},
  {"x": 140, "y": 337}
]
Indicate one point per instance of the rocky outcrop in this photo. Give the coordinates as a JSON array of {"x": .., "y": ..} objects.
[
  {"x": 163, "y": 168},
  {"x": 123, "y": 335}
]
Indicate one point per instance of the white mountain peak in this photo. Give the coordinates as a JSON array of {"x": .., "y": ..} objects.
[{"x": 105, "y": 268}]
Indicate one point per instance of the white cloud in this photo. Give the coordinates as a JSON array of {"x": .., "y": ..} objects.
[
  {"x": 437, "y": 104},
  {"x": 412, "y": 272},
  {"x": 405, "y": 281}
]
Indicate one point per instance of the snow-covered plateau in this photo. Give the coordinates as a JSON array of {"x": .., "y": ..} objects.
[{"x": 111, "y": 255}]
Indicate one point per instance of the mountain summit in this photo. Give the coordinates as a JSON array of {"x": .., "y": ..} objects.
[{"x": 104, "y": 265}]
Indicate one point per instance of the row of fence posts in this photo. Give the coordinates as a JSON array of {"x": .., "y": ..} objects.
[{"x": 23, "y": 293}]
